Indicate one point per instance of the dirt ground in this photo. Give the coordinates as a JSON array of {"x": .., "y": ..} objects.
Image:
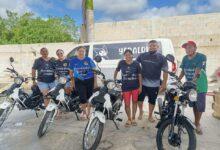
[{"x": 20, "y": 133}]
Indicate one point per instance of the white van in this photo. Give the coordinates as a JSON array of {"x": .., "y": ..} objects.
[{"x": 112, "y": 52}]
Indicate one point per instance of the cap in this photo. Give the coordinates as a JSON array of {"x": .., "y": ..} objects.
[{"x": 189, "y": 43}]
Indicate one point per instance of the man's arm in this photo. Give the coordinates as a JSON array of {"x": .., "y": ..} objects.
[
  {"x": 181, "y": 75},
  {"x": 140, "y": 82},
  {"x": 33, "y": 73},
  {"x": 72, "y": 80},
  {"x": 164, "y": 83}
]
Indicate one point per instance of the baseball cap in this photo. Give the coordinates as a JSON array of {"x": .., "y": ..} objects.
[{"x": 189, "y": 43}]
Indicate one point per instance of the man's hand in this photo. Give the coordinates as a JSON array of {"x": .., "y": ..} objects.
[{"x": 162, "y": 87}]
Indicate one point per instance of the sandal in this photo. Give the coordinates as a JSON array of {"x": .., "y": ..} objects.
[
  {"x": 128, "y": 124},
  {"x": 199, "y": 130},
  {"x": 134, "y": 123},
  {"x": 83, "y": 116},
  {"x": 151, "y": 120}
]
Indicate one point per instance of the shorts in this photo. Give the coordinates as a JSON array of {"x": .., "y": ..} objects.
[
  {"x": 130, "y": 94},
  {"x": 200, "y": 104},
  {"x": 46, "y": 86},
  {"x": 151, "y": 92},
  {"x": 84, "y": 88}
]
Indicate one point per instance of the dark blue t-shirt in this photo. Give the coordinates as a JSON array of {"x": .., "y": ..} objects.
[
  {"x": 152, "y": 65},
  {"x": 62, "y": 67},
  {"x": 45, "y": 70},
  {"x": 82, "y": 68},
  {"x": 129, "y": 73}
]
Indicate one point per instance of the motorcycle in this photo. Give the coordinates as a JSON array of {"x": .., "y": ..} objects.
[
  {"x": 106, "y": 103},
  {"x": 59, "y": 101},
  {"x": 15, "y": 95},
  {"x": 179, "y": 130}
]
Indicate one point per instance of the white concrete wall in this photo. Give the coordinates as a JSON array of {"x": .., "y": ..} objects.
[{"x": 24, "y": 55}]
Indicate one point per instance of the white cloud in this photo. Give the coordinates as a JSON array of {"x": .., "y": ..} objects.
[
  {"x": 182, "y": 8},
  {"x": 19, "y": 6},
  {"x": 212, "y": 6}
]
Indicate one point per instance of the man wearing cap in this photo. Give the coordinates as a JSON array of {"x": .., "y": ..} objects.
[{"x": 193, "y": 68}]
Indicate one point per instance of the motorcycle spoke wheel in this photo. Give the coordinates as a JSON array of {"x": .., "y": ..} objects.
[
  {"x": 92, "y": 133},
  {"x": 181, "y": 138}
]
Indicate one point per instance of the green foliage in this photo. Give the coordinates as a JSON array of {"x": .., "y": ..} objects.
[{"x": 25, "y": 29}]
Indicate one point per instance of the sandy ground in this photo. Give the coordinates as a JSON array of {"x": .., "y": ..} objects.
[{"x": 20, "y": 133}]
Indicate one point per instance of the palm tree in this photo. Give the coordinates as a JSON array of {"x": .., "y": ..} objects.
[{"x": 88, "y": 19}]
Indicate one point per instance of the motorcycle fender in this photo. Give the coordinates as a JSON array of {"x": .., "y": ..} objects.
[
  {"x": 99, "y": 115},
  {"x": 51, "y": 107},
  {"x": 5, "y": 105},
  {"x": 190, "y": 122},
  {"x": 160, "y": 122},
  {"x": 61, "y": 96},
  {"x": 15, "y": 94},
  {"x": 93, "y": 95},
  {"x": 107, "y": 103}
]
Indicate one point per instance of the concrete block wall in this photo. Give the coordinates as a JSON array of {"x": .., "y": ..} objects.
[{"x": 204, "y": 29}]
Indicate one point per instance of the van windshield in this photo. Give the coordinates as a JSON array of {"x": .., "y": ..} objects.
[
  {"x": 73, "y": 52},
  {"x": 115, "y": 50}
]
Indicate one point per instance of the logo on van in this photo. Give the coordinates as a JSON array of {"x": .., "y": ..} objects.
[{"x": 115, "y": 51}]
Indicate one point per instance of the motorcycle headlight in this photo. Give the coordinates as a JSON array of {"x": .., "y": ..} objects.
[
  {"x": 111, "y": 85},
  {"x": 192, "y": 95},
  {"x": 18, "y": 80},
  {"x": 62, "y": 80}
]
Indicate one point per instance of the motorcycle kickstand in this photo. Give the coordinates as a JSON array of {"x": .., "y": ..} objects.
[
  {"x": 115, "y": 125},
  {"x": 36, "y": 114},
  {"x": 77, "y": 117}
]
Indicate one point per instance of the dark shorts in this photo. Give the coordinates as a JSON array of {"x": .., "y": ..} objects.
[
  {"x": 84, "y": 89},
  {"x": 200, "y": 104},
  {"x": 151, "y": 92}
]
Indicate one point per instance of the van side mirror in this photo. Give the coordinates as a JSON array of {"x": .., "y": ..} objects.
[
  {"x": 170, "y": 58},
  {"x": 11, "y": 59},
  {"x": 98, "y": 58}
]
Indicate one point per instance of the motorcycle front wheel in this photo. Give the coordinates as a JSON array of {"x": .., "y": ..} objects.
[
  {"x": 45, "y": 123},
  {"x": 4, "y": 113},
  {"x": 92, "y": 134},
  {"x": 183, "y": 136}
]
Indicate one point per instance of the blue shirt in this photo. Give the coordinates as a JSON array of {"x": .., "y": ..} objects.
[
  {"x": 82, "y": 68},
  {"x": 152, "y": 64}
]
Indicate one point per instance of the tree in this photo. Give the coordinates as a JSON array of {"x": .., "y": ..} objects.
[
  {"x": 88, "y": 19},
  {"x": 27, "y": 29}
]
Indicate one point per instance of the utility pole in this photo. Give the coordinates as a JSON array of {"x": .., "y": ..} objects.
[{"x": 88, "y": 20}]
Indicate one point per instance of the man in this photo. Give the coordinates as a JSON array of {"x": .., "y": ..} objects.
[
  {"x": 193, "y": 68},
  {"x": 152, "y": 64},
  {"x": 45, "y": 73}
]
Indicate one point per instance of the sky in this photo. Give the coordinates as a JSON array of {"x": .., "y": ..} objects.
[{"x": 111, "y": 10}]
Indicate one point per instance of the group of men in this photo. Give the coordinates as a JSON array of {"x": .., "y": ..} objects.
[{"x": 140, "y": 78}]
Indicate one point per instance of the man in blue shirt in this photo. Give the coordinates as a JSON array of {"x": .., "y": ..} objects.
[
  {"x": 45, "y": 73},
  {"x": 152, "y": 64}
]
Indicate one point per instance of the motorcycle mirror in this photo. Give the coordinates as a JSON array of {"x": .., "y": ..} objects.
[
  {"x": 98, "y": 58},
  {"x": 11, "y": 59},
  {"x": 170, "y": 58}
]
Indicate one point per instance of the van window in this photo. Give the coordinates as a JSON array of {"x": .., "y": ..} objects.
[
  {"x": 73, "y": 52},
  {"x": 116, "y": 50}
]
